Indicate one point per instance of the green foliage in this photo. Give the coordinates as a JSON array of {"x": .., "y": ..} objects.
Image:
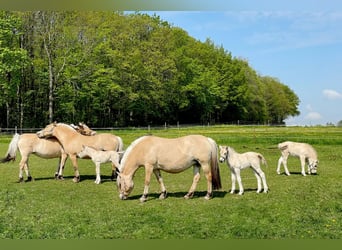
[
  {"x": 296, "y": 207},
  {"x": 111, "y": 69}
]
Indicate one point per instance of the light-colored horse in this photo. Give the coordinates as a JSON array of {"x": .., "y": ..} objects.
[
  {"x": 72, "y": 142},
  {"x": 98, "y": 157},
  {"x": 83, "y": 129},
  {"x": 236, "y": 162},
  {"x": 29, "y": 143},
  {"x": 172, "y": 156},
  {"x": 304, "y": 151}
]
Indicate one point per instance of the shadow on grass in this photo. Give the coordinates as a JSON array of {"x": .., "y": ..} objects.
[
  {"x": 82, "y": 178},
  {"x": 197, "y": 195}
]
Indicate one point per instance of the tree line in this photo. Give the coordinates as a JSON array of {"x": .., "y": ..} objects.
[{"x": 115, "y": 69}]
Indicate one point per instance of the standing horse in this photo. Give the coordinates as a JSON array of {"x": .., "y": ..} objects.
[
  {"x": 98, "y": 157},
  {"x": 172, "y": 156},
  {"x": 29, "y": 143},
  {"x": 237, "y": 162},
  {"x": 72, "y": 142}
]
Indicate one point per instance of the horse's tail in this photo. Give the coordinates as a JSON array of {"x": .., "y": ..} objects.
[
  {"x": 215, "y": 170},
  {"x": 262, "y": 159},
  {"x": 12, "y": 149},
  {"x": 121, "y": 145}
]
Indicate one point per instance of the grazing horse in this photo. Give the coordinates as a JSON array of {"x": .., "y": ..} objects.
[
  {"x": 72, "y": 142},
  {"x": 303, "y": 151},
  {"x": 29, "y": 143},
  {"x": 98, "y": 157},
  {"x": 172, "y": 156},
  {"x": 236, "y": 162}
]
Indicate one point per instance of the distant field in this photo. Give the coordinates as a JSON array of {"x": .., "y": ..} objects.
[{"x": 296, "y": 207}]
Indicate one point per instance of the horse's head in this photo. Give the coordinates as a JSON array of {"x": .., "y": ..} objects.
[
  {"x": 223, "y": 153},
  {"x": 83, "y": 129},
  {"x": 83, "y": 153},
  {"x": 313, "y": 164},
  {"x": 47, "y": 131},
  {"x": 125, "y": 185}
]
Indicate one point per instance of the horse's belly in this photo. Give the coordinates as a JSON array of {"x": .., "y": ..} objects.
[
  {"x": 174, "y": 167},
  {"x": 48, "y": 155}
]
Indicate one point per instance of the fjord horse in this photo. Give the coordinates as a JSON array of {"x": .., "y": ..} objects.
[
  {"x": 72, "y": 142},
  {"x": 100, "y": 156},
  {"x": 305, "y": 152},
  {"x": 172, "y": 156},
  {"x": 29, "y": 143},
  {"x": 237, "y": 162}
]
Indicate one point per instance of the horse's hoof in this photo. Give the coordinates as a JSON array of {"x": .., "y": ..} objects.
[
  {"x": 21, "y": 179},
  {"x": 163, "y": 195},
  {"x": 76, "y": 179},
  {"x": 56, "y": 176},
  {"x": 143, "y": 199},
  {"x": 29, "y": 178},
  {"x": 208, "y": 196},
  {"x": 188, "y": 196},
  {"x": 60, "y": 177}
]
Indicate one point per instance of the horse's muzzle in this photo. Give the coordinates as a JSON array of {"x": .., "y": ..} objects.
[{"x": 222, "y": 159}]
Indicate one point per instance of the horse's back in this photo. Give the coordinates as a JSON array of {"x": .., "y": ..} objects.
[
  {"x": 46, "y": 148},
  {"x": 104, "y": 141},
  {"x": 298, "y": 149}
]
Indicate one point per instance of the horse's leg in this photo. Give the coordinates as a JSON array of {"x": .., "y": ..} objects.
[
  {"x": 280, "y": 161},
  {"x": 238, "y": 178},
  {"x": 115, "y": 169},
  {"x": 58, "y": 168},
  {"x": 22, "y": 167},
  {"x": 161, "y": 183},
  {"x": 233, "y": 177},
  {"x": 258, "y": 180},
  {"x": 285, "y": 156},
  {"x": 62, "y": 161},
  {"x": 27, "y": 171},
  {"x": 263, "y": 179},
  {"x": 208, "y": 176},
  {"x": 98, "y": 174},
  {"x": 302, "y": 163},
  {"x": 73, "y": 159},
  {"x": 148, "y": 173},
  {"x": 196, "y": 179}
]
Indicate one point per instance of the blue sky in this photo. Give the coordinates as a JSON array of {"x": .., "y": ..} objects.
[{"x": 301, "y": 47}]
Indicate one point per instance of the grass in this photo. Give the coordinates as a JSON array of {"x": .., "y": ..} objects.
[{"x": 296, "y": 207}]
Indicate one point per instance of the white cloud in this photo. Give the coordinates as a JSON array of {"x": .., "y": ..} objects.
[
  {"x": 313, "y": 116},
  {"x": 332, "y": 94}
]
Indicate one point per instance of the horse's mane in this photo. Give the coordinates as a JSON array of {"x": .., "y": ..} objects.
[
  {"x": 129, "y": 149},
  {"x": 66, "y": 125}
]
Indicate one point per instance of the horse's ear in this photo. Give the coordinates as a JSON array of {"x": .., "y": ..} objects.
[{"x": 55, "y": 123}]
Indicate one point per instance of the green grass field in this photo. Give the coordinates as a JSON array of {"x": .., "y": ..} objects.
[{"x": 296, "y": 207}]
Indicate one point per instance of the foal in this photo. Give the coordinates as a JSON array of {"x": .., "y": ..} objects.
[
  {"x": 236, "y": 162},
  {"x": 98, "y": 157}
]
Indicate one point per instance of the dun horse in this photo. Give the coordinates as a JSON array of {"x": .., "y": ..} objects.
[
  {"x": 237, "y": 162},
  {"x": 303, "y": 151},
  {"x": 72, "y": 142},
  {"x": 29, "y": 143},
  {"x": 98, "y": 157},
  {"x": 172, "y": 156}
]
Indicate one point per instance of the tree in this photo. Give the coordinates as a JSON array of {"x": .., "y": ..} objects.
[{"x": 12, "y": 61}]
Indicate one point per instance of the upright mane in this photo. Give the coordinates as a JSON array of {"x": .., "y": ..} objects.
[
  {"x": 129, "y": 149},
  {"x": 66, "y": 125}
]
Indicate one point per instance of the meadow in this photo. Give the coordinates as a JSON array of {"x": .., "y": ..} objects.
[{"x": 296, "y": 207}]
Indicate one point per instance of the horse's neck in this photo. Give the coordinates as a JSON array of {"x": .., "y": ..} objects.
[{"x": 65, "y": 136}]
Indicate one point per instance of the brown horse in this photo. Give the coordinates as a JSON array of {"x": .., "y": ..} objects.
[
  {"x": 72, "y": 142},
  {"x": 172, "y": 156},
  {"x": 29, "y": 143}
]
